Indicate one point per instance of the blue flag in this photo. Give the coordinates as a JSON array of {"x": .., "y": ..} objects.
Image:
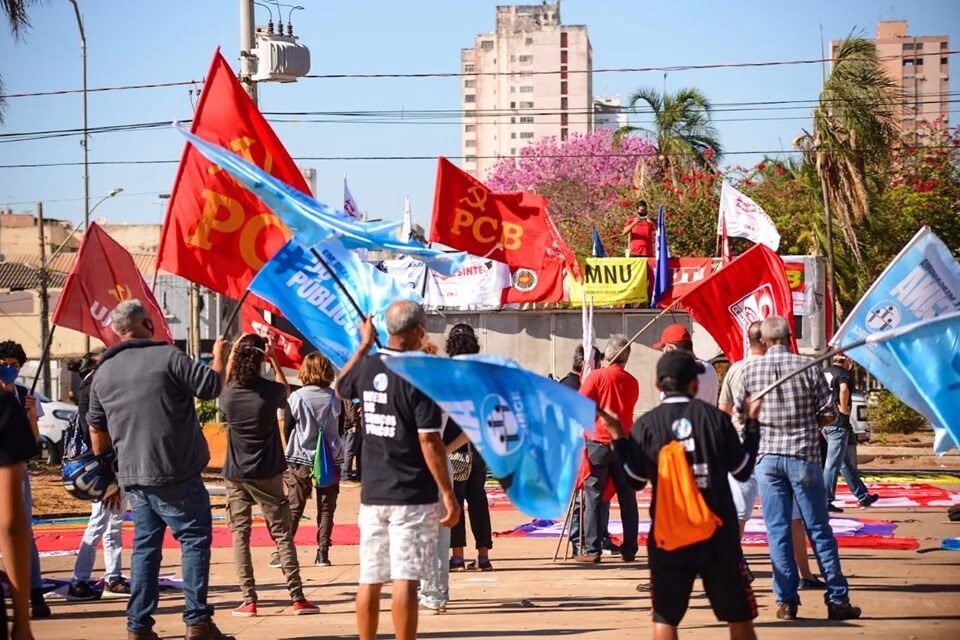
[
  {"x": 307, "y": 295},
  {"x": 527, "y": 428},
  {"x": 662, "y": 280},
  {"x": 598, "y": 250},
  {"x": 921, "y": 283},
  {"x": 313, "y": 222}
]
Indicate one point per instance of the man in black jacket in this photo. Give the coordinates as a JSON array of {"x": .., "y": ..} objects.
[{"x": 713, "y": 450}]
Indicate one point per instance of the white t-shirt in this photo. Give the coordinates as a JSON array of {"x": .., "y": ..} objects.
[{"x": 709, "y": 384}]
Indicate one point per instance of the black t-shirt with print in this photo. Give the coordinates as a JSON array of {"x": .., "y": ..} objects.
[
  {"x": 254, "y": 450},
  {"x": 839, "y": 376},
  {"x": 394, "y": 414},
  {"x": 717, "y": 451}
]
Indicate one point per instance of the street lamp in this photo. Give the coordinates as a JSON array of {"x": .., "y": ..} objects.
[
  {"x": 86, "y": 137},
  {"x": 73, "y": 232}
]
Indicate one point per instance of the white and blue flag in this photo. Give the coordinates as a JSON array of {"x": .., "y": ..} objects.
[{"x": 527, "y": 428}]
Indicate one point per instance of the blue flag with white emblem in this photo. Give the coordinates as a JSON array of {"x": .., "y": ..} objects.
[
  {"x": 305, "y": 292},
  {"x": 920, "y": 284},
  {"x": 527, "y": 428}
]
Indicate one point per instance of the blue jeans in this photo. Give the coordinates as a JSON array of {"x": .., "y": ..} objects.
[
  {"x": 435, "y": 586},
  {"x": 185, "y": 508},
  {"x": 596, "y": 513},
  {"x": 783, "y": 479},
  {"x": 839, "y": 461},
  {"x": 104, "y": 525}
]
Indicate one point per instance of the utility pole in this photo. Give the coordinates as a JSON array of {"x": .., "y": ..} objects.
[
  {"x": 44, "y": 301},
  {"x": 195, "y": 332},
  {"x": 85, "y": 141}
]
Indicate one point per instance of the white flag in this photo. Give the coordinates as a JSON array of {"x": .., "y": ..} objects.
[
  {"x": 589, "y": 337},
  {"x": 406, "y": 229},
  {"x": 746, "y": 219},
  {"x": 349, "y": 204}
]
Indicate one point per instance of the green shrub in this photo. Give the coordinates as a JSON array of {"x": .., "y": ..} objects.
[
  {"x": 888, "y": 414},
  {"x": 207, "y": 411}
]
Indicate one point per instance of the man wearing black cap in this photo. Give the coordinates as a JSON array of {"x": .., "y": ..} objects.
[{"x": 713, "y": 450}]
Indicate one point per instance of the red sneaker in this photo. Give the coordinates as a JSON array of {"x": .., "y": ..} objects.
[
  {"x": 246, "y": 610},
  {"x": 304, "y": 608}
]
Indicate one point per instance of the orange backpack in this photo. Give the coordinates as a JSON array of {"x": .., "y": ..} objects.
[{"x": 682, "y": 517}]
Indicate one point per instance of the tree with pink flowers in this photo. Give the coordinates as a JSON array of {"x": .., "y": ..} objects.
[{"x": 586, "y": 179}]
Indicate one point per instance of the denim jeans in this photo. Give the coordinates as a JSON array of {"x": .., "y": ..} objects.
[
  {"x": 838, "y": 461},
  {"x": 36, "y": 579},
  {"x": 577, "y": 516},
  {"x": 185, "y": 508},
  {"x": 604, "y": 464},
  {"x": 104, "y": 524},
  {"x": 783, "y": 479},
  {"x": 435, "y": 586}
]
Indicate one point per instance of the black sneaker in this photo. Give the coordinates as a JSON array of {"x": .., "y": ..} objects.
[
  {"x": 323, "y": 558},
  {"x": 116, "y": 588},
  {"x": 842, "y": 611},
  {"x": 610, "y": 548},
  {"x": 869, "y": 500},
  {"x": 39, "y": 608},
  {"x": 833, "y": 509},
  {"x": 81, "y": 591}
]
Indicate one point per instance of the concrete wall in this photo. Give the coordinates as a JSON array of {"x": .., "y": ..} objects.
[{"x": 544, "y": 341}]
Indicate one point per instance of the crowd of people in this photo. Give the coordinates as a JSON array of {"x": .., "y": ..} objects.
[{"x": 416, "y": 471}]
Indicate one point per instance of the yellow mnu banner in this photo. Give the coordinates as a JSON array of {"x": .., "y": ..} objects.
[{"x": 611, "y": 281}]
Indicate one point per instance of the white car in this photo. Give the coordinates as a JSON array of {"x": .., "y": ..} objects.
[
  {"x": 55, "y": 419},
  {"x": 858, "y": 417}
]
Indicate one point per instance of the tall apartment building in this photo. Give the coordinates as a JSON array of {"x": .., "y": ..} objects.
[
  {"x": 532, "y": 78},
  {"x": 608, "y": 113},
  {"x": 919, "y": 65}
]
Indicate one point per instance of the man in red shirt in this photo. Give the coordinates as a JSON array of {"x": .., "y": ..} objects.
[
  {"x": 640, "y": 230},
  {"x": 611, "y": 388}
]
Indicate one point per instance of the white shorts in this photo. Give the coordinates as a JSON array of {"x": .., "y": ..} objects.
[
  {"x": 744, "y": 496},
  {"x": 397, "y": 541}
]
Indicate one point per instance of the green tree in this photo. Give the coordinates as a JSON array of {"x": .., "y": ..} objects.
[
  {"x": 681, "y": 129},
  {"x": 15, "y": 12}
]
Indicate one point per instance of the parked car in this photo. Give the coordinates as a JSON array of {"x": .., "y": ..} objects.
[
  {"x": 858, "y": 417},
  {"x": 55, "y": 419}
]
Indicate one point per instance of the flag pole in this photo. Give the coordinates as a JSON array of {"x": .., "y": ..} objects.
[
  {"x": 234, "y": 312},
  {"x": 44, "y": 357},
  {"x": 339, "y": 283},
  {"x": 644, "y": 328}
]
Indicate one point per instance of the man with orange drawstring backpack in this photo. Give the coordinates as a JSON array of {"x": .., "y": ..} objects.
[{"x": 685, "y": 448}]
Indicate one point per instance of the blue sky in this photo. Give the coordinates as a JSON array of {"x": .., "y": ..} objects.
[{"x": 172, "y": 41}]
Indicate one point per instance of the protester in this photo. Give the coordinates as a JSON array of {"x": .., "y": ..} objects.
[
  {"x": 789, "y": 469},
  {"x": 17, "y": 445},
  {"x": 838, "y": 436},
  {"x": 352, "y": 441},
  {"x": 405, "y": 472},
  {"x": 254, "y": 467},
  {"x": 106, "y": 516},
  {"x": 142, "y": 405},
  {"x": 676, "y": 336},
  {"x": 572, "y": 379},
  {"x": 463, "y": 341},
  {"x": 312, "y": 410},
  {"x": 610, "y": 387},
  {"x": 12, "y": 359},
  {"x": 712, "y": 450},
  {"x": 640, "y": 229}
]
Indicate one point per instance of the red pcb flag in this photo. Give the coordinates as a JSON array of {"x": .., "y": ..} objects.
[
  {"x": 513, "y": 228},
  {"x": 750, "y": 288},
  {"x": 103, "y": 275},
  {"x": 288, "y": 347},
  {"x": 217, "y": 233}
]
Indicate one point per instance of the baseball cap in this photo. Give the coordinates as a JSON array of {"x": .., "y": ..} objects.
[
  {"x": 679, "y": 365},
  {"x": 673, "y": 333}
]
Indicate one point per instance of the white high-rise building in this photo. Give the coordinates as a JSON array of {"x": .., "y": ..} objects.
[
  {"x": 532, "y": 78},
  {"x": 608, "y": 114}
]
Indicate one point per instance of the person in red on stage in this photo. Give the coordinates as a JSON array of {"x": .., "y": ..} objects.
[{"x": 641, "y": 231}]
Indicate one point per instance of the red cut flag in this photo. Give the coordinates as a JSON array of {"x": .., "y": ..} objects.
[
  {"x": 513, "y": 228},
  {"x": 753, "y": 286},
  {"x": 288, "y": 347},
  {"x": 103, "y": 275},
  {"x": 540, "y": 284},
  {"x": 216, "y": 233}
]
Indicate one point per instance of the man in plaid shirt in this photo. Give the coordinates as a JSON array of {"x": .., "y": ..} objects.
[{"x": 789, "y": 468}]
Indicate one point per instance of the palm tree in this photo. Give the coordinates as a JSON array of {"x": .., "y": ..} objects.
[
  {"x": 855, "y": 128},
  {"x": 16, "y": 13},
  {"x": 681, "y": 127}
]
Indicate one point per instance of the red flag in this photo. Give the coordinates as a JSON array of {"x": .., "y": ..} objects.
[
  {"x": 217, "y": 233},
  {"x": 513, "y": 228},
  {"x": 103, "y": 275},
  {"x": 540, "y": 284},
  {"x": 686, "y": 273},
  {"x": 753, "y": 286},
  {"x": 288, "y": 347}
]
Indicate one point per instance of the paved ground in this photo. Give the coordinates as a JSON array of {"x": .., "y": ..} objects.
[{"x": 905, "y": 595}]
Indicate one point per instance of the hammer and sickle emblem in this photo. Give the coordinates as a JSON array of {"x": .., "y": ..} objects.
[
  {"x": 477, "y": 198},
  {"x": 121, "y": 292}
]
